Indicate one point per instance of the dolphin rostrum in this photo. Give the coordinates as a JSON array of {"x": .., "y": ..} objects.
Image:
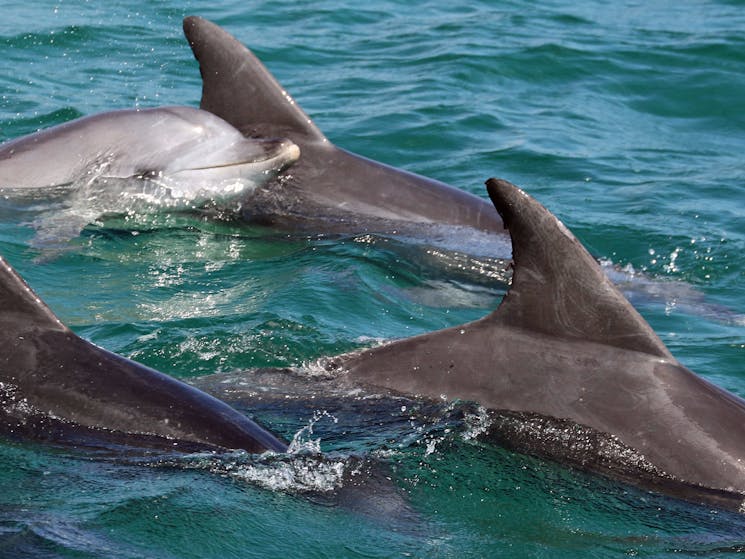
[
  {"x": 54, "y": 385},
  {"x": 573, "y": 372},
  {"x": 328, "y": 188}
]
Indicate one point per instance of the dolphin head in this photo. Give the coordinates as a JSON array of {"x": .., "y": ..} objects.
[
  {"x": 255, "y": 160},
  {"x": 188, "y": 156},
  {"x": 165, "y": 153},
  {"x": 136, "y": 162}
]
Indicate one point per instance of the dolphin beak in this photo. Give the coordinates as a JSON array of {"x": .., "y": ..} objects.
[
  {"x": 283, "y": 151},
  {"x": 260, "y": 155},
  {"x": 271, "y": 154},
  {"x": 254, "y": 159}
]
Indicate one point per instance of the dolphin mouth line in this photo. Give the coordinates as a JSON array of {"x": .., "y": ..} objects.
[{"x": 288, "y": 154}]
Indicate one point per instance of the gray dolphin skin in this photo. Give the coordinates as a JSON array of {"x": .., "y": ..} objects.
[
  {"x": 573, "y": 372},
  {"x": 56, "y": 386},
  {"x": 188, "y": 153},
  {"x": 328, "y": 188}
]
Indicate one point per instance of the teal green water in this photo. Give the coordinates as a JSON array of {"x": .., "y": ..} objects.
[{"x": 625, "y": 119}]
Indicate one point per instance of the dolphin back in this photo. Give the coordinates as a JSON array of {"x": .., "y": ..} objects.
[
  {"x": 20, "y": 309},
  {"x": 238, "y": 88},
  {"x": 54, "y": 383},
  {"x": 558, "y": 288},
  {"x": 570, "y": 371}
]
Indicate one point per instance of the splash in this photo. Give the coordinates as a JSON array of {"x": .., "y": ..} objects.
[
  {"x": 302, "y": 469},
  {"x": 302, "y": 442},
  {"x": 137, "y": 201},
  {"x": 13, "y": 405},
  {"x": 673, "y": 295},
  {"x": 294, "y": 474},
  {"x": 476, "y": 423}
]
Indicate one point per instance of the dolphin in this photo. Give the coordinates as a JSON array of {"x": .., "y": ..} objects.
[
  {"x": 179, "y": 158},
  {"x": 56, "y": 386},
  {"x": 329, "y": 188},
  {"x": 570, "y": 371},
  {"x": 60, "y": 388},
  {"x": 192, "y": 150}
]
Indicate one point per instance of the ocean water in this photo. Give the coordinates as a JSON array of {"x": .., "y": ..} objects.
[{"x": 626, "y": 119}]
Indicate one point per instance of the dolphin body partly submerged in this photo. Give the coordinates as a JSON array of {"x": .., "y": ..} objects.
[
  {"x": 568, "y": 369},
  {"x": 572, "y": 372},
  {"x": 190, "y": 150},
  {"x": 178, "y": 158},
  {"x": 328, "y": 188},
  {"x": 56, "y": 386},
  {"x": 333, "y": 190}
]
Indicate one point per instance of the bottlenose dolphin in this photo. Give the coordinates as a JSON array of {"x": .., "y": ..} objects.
[
  {"x": 141, "y": 159},
  {"x": 332, "y": 190},
  {"x": 573, "y": 372},
  {"x": 328, "y": 188},
  {"x": 56, "y": 386},
  {"x": 186, "y": 150},
  {"x": 567, "y": 367}
]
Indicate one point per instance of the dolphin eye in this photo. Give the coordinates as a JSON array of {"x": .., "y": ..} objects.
[{"x": 149, "y": 174}]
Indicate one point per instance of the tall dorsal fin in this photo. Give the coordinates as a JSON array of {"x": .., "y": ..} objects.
[
  {"x": 20, "y": 308},
  {"x": 238, "y": 88},
  {"x": 557, "y": 287}
]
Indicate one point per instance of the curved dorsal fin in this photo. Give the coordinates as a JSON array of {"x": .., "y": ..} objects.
[
  {"x": 557, "y": 288},
  {"x": 239, "y": 89},
  {"x": 20, "y": 309}
]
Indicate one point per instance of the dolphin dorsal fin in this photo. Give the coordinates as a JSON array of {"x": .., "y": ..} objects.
[
  {"x": 238, "y": 88},
  {"x": 21, "y": 310},
  {"x": 557, "y": 288}
]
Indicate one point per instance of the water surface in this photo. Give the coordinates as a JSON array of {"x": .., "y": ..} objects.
[{"x": 625, "y": 119}]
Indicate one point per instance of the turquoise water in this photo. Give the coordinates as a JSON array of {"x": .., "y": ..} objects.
[{"x": 625, "y": 119}]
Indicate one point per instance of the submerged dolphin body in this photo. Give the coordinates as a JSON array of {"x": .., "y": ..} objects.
[
  {"x": 56, "y": 386},
  {"x": 178, "y": 158},
  {"x": 328, "y": 188},
  {"x": 573, "y": 372}
]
